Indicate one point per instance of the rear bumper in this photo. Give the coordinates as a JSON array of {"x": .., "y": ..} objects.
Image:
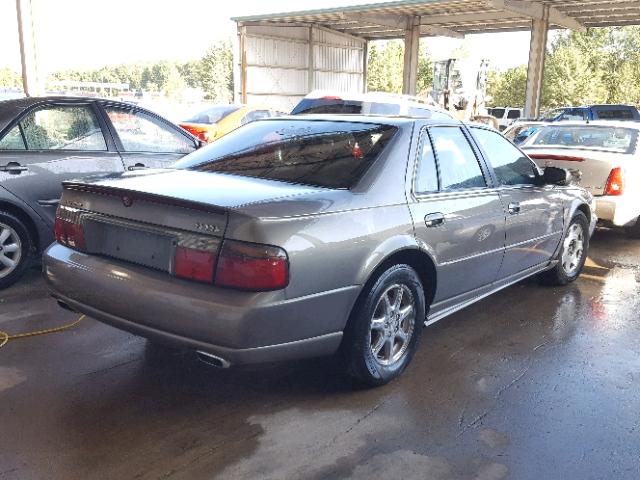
[
  {"x": 617, "y": 211},
  {"x": 240, "y": 327}
]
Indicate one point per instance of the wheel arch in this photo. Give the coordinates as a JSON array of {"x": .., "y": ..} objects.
[{"x": 22, "y": 215}]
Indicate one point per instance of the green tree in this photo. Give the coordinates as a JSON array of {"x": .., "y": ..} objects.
[
  {"x": 216, "y": 72},
  {"x": 507, "y": 88},
  {"x": 385, "y": 66},
  {"x": 9, "y": 78}
]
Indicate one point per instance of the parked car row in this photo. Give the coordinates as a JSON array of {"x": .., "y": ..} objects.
[{"x": 288, "y": 237}]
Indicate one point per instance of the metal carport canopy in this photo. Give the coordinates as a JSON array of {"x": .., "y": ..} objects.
[{"x": 411, "y": 19}]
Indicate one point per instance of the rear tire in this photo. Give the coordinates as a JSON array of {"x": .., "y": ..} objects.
[
  {"x": 385, "y": 327},
  {"x": 572, "y": 253},
  {"x": 634, "y": 230},
  {"x": 16, "y": 249}
]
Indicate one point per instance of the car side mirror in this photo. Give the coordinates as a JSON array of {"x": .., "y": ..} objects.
[{"x": 556, "y": 176}]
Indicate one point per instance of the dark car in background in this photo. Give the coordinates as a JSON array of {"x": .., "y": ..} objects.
[
  {"x": 306, "y": 236},
  {"x": 47, "y": 140},
  {"x": 593, "y": 112}
]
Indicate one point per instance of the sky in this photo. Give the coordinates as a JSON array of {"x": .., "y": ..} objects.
[{"x": 90, "y": 33}]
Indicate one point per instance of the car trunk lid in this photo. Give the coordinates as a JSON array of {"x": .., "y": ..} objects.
[{"x": 590, "y": 168}]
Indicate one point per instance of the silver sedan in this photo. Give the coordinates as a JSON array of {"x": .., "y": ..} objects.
[{"x": 309, "y": 236}]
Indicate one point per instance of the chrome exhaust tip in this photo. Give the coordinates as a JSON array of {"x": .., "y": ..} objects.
[{"x": 212, "y": 360}]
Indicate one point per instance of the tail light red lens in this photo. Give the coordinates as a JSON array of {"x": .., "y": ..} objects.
[
  {"x": 195, "y": 264},
  {"x": 564, "y": 158},
  {"x": 68, "y": 228},
  {"x": 615, "y": 182},
  {"x": 251, "y": 266}
]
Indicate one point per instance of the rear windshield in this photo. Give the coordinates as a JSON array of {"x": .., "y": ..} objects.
[
  {"x": 319, "y": 153},
  {"x": 591, "y": 137},
  {"x": 213, "y": 115}
]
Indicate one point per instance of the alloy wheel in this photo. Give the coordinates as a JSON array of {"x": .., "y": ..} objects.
[
  {"x": 10, "y": 250},
  {"x": 572, "y": 250},
  {"x": 392, "y": 324}
]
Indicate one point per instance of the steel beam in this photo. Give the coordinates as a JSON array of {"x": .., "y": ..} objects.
[
  {"x": 536, "y": 11},
  {"x": 535, "y": 70},
  {"x": 31, "y": 82},
  {"x": 411, "y": 52}
]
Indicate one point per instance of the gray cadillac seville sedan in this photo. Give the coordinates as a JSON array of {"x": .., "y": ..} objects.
[{"x": 309, "y": 236}]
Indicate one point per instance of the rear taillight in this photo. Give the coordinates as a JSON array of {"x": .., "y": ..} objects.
[
  {"x": 615, "y": 182},
  {"x": 194, "y": 264},
  {"x": 251, "y": 266},
  {"x": 68, "y": 228},
  {"x": 201, "y": 132}
]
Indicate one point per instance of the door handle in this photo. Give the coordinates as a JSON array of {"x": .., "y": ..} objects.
[
  {"x": 137, "y": 166},
  {"x": 14, "y": 168},
  {"x": 434, "y": 219},
  {"x": 514, "y": 208}
]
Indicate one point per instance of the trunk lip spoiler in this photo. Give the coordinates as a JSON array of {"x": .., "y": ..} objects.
[{"x": 145, "y": 196}]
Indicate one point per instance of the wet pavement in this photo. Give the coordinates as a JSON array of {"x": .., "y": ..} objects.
[{"x": 531, "y": 383}]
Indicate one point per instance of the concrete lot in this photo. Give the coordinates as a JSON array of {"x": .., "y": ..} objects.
[{"x": 532, "y": 383}]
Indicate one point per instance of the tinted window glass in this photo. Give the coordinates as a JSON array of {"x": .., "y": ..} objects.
[
  {"x": 459, "y": 167},
  {"x": 586, "y": 137},
  {"x": 63, "y": 128},
  {"x": 255, "y": 115},
  {"x": 497, "y": 112},
  {"x": 326, "y": 154},
  {"x": 213, "y": 114},
  {"x": 140, "y": 132},
  {"x": 574, "y": 114},
  {"x": 511, "y": 166},
  {"x": 615, "y": 114},
  {"x": 513, "y": 114},
  {"x": 12, "y": 140},
  {"x": 427, "y": 174}
]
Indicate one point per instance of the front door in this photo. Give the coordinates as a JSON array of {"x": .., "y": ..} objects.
[
  {"x": 456, "y": 214},
  {"x": 146, "y": 141},
  {"x": 535, "y": 213},
  {"x": 51, "y": 144}
]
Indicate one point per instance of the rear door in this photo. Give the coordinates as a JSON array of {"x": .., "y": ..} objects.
[
  {"x": 534, "y": 213},
  {"x": 50, "y": 144},
  {"x": 456, "y": 213},
  {"x": 145, "y": 140}
]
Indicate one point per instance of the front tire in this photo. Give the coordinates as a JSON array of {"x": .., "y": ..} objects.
[
  {"x": 572, "y": 254},
  {"x": 16, "y": 248},
  {"x": 385, "y": 327}
]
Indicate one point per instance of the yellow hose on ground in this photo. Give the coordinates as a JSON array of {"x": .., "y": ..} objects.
[{"x": 5, "y": 337}]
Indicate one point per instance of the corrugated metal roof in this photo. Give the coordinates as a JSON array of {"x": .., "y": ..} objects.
[{"x": 459, "y": 16}]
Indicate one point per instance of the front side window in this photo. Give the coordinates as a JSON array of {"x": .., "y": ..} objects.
[
  {"x": 319, "y": 153},
  {"x": 13, "y": 140},
  {"x": 72, "y": 127},
  {"x": 511, "y": 166},
  {"x": 459, "y": 167},
  {"x": 140, "y": 132}
]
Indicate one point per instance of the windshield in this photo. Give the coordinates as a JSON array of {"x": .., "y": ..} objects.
[
  {"x": 319, "y": 153},
  {"x": 588, "y": 137},
  {"x": 213, "y": 115},
  {"x": 551, "y": 114}
]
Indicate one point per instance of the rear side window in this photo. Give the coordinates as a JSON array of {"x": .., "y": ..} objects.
[
  {"x": 574, "y": 114},
  {"x": 496, "y": 112},
  {"x": 72, "y": 127},
  {"x": 427, "y": 174},
  {"x": 327, "y": 105},
  {"x": 511, "y": 166},
  {"x": 459, "y": 167},
  {"x": 513, "y": 114},
  {"x": 318, "y": 153}
]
